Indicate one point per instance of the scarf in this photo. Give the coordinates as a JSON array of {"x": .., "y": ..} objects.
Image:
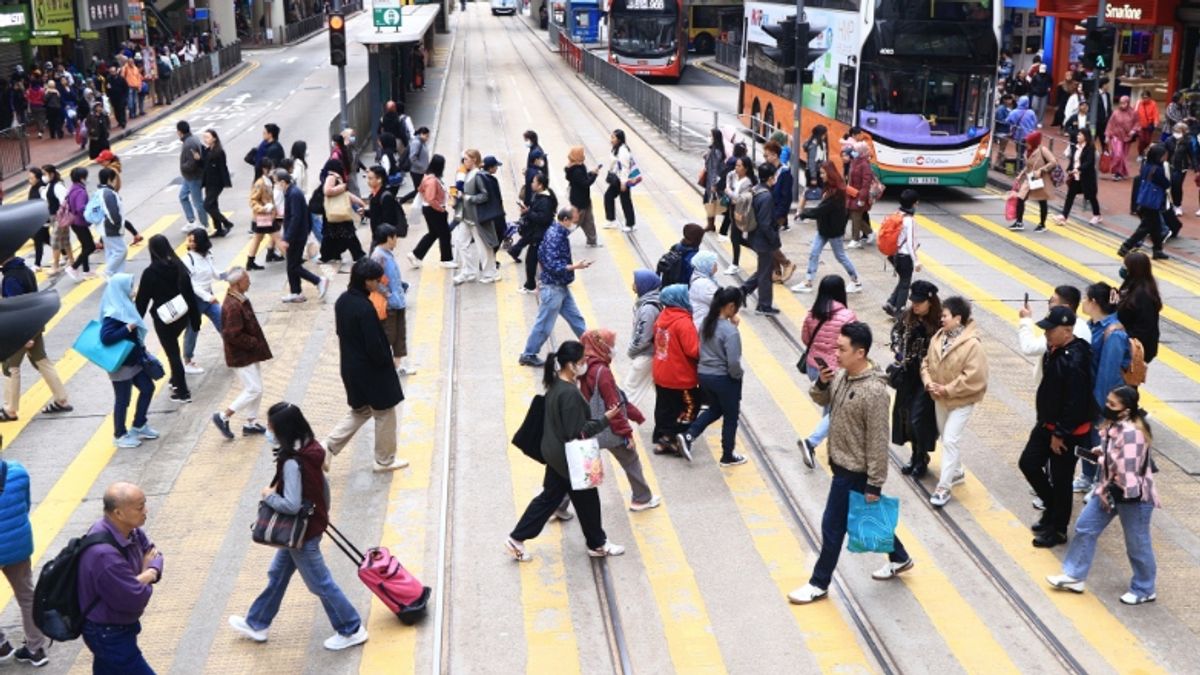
[
  {"x": 598, "y": 344},
  {"x": 705, "y": 262},
  {"x": 645, "y": 281},
  {"x": 950, "y": 336},
  {"x": 676, "y": 295}
]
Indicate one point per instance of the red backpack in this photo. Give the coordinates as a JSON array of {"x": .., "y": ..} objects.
[{"x": 888, "y": 239}]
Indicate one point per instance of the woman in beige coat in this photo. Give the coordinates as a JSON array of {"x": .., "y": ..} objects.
[
  {"x": 1039, "y": 164},
  {"x": 955, "y": 373}
]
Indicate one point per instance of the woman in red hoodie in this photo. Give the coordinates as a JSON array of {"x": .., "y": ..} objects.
[
  {"x": 600, "y": 389},
  {"x": 676, "y": 355}
]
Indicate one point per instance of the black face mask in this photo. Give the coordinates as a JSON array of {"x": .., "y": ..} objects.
[{"x": 1110, "y": 414}]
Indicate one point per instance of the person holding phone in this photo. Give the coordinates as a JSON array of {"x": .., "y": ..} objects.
[
  {"x": 558, "y": 273},
  {"x": 822, "y": 326},
  {"x": 579, "y": 193},
  {"x": 1125, "y": 489},
  {"x": 857, "y": 398}
]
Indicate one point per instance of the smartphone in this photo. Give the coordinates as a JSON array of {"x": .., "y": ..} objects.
[
  {"x": 821, "y": 363},
  {"x": 1027, "y": 299},
  {"x": 1085, "y": 454}
]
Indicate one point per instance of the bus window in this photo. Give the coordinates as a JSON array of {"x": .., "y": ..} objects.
[
  {"x": 919, "y": 104},
  {"x": 940, "y": 10},
  {"x": 847, "y": 5},
  {"x": 705, "y": 17}
]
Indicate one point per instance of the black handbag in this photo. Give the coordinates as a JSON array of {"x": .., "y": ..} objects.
[
  {"x": 281, "y": 530},
  {"x": 528, "y": 438},
  {"x": 802, "y": 364},
  {"x": 152, "y": 366}
]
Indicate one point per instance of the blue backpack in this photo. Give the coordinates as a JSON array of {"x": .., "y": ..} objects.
[{"x": 95, "y": 212}]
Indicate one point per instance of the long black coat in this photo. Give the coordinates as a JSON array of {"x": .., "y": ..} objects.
[
  {"x": 913, "y": 417},
  {"x": 366, "y": 358}
]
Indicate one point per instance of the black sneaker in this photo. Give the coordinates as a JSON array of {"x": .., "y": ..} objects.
[
  {"x": 6, "y": 651},
  {"x": 532, "y": 360},
  {"x": 274, "y": 257},
  {"x": 36, "y": 659},
  {"x": 179, "y": 397},
  {"x": 254, "y": 429},
  {"x": 733, "y": 460},
  {"x": 1049, "y": 539},
  {"x": 1040, "y": 228},
  {"x": 222, "y": 425},
  {"x": 685, "y": 445},
  {"x": 252, "y": 265},
  {"x": 1038, "y": 527},
  {"x": 1017, "y": 226},
  {"x": 1159, "y": 255},
  {"x": 767, "y": 311}
]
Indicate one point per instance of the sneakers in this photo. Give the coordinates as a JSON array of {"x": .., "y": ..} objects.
[
  {"x": 654, "y": 502},
  {"x": 803, "y": 287},
  {"x": 239, "y": 624},
  {"x": 808, "y": 453},
  {"x": 595, "y": 244},
  {"x": 396, "y": 463},
  {"x": 222, "y": 426},
  {"x": 413, "y": 260},
  {"x": 766, "y": 311},
  {"x": 38, "y": 659},
  {"x": 611, "y": 225},
  {"x": 959, "y": 478},
  {"x": 1039, "y": 504},
  {"x": 732, "y": 270},
  {"x": 854, "y": 287},
  {"x": 460, "y": 279},
  {"x": 144, "y": 432},
  {"x": 6, "y": 651},
  {"x": 1049, "y": 539},
  {"x": 892, "y": 570},
  {"x": 523, "y": 290},
  {"x": 1065, "y": 583},
  {"x": 74, "y": 274},
  {"x": 322, "y": 287},
  {"x": 1129, "y": 598},
  {"x": 192, "y": 369},
  {"x": 685, "y": 445},
  {"x": 940, "y": 497},
  {"x": 1096, "y": 220},
  {"x": 406, "y": 370},
  {"x": 563, "y": 513},
  {"x": 517, "y": 550},
  {"x": 806, "y": 594},
  {"x": 1040, "y": 228},
  {"x": 185, "y": 397},
  {"x": 129, "y": 440},
  {"x": 532, "y": 360},
  {"x": 253, "y": 429},
  {"x": 338, "y": 642},
  {"x": 449, "y": 264},
  {"x": 854, "y": 243},
  {"x": 627, "y": 229},
  {"x": 608, "y": 550},
  {"x": 292, "y": 298},
  {"x": 733, "y": 460},
  {"x": 1017, "y": 226},
  {"x": 722, "y": 238},
  {"x": 1080, "y": 485}
]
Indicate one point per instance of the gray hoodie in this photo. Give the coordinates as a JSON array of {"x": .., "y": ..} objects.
[
  {"x": 722, "y": 353},
  {"x": 190, "y": 167},
  {"x": 645, "y": 313}
]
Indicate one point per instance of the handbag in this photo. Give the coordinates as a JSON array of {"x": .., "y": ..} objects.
[
  {"x": 584, "y": 465},
  {"x": 338, "y": 209},
  {"x": 802, "y": 364},
  {"x": 702, "y": 181},
  {"x": 1011, "y": 205},
  {"x": 528, "y": 438},
  {"x": 152, "y": 366},
  {"x": 172, "y": 310},
  {"x": 281, "y": 530},
  {"x": 1036, "y": 183},
  {"x": 813, "y": 194},
  {"x": 266, "y": 219},
  {"x": 613, "y": 179},
  {"x": 109, "y": 357},
  {"x": 607, "y": 438},
  {"x": 1106, "y": 164},
  {"x": 872, "y": 525}
]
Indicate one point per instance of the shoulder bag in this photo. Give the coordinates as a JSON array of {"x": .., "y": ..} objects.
[
  {"x": 802, "y": 364},
  {"x": 337, "y": 207},
  {"x": 281, "y": 530},
  {"x": 528, "y": 438},
  {"x": 109, "y": 357},
  {"x": 172, "y": 310},
  {"x": 607, "y": 438}
]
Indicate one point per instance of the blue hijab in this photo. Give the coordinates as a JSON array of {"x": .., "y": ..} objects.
[
  {"x": 676, "y": 295},
  {"x": 705, "y": 262},
  {"x": 116, "y": 303}
]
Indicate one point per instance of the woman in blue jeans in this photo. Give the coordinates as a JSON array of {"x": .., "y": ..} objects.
[
  {"x": 820, "y": 333},
  {"x": 120, "y": 321},
  {"x": 299, "y": 479},
  {"x": 720, "y": 371},
  {"x": 199, "y": 263},
  {"x": 1125, "y": 490},
  {"x": 830, "y": 214}
]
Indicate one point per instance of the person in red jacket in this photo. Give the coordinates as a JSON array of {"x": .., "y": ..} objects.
[{"x": 676, "y": 355}]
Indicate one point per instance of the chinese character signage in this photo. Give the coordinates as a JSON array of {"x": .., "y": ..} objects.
[
  {"x": 14, "y": 23},
  {"x": 105, "y": 13},
  {"x": 53, "y": 17},
  {"x": 137, "y": 24}
]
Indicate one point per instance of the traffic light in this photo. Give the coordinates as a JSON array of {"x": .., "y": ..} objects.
[
  {"x": 337, "y": 39},
  {"x": 1099, "y": 45},
  {"x": 24, "y": 316},
  {"x": 784, "y": 51},
  {"x": 806, "y": 56}
]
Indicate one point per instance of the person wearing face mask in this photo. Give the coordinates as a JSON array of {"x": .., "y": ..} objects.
[
  {"x": 1179, "y": 159},
  {"x": 535, "y": 163},
  {"x": 1111, "y": 355},
  {"x": 1125, "y": 490},
  {"x": 555, "y": 299},
  {"x": 245, "y": 349},
  {"x": 567, "y": 417}
]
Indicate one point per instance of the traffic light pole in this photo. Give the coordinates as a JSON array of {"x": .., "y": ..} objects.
[
  {"x": 801, "y": 62},
  {"x": 337, "y": 7}
]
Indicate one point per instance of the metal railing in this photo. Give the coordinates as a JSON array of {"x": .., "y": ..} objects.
[
  {"x": 641, "y": 97},
  {"x": 188, "y": 76},
  {"x": 729, "y": 54},
  {"x": 358, "y": 116},
  {"x": 307, "y": 26},
  {"x": 14, "y": 152}
]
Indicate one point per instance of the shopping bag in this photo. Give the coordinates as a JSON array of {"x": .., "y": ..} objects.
[
  {"x": 584, "y": 463},
  {"x": 1010, "y": 206},
  {"x": 872, "y": 525},
  {"x": 1106, "y": 162},
  {"x": 108, "y": 357}
]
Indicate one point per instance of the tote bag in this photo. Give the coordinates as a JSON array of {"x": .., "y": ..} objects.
[
  {"x": 108, "y": 357},
  {"x": 584, "y": 463},
  {"x": 872, "y": 525},
  {"x": 338, "y": 209}
]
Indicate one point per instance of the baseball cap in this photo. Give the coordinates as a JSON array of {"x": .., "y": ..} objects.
[
  {"x": 490, "y": 161},
  {"x": 1058, "y": 316},
  {"x": 922, "y": 290},
  {"x": 105, "y": 156}
]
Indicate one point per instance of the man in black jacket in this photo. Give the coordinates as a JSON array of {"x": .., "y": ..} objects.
[
  {"x": 1065, "y": 410},
  {"x": 297, "y": 224},
  {"x": 268, "y": 148},
  {"x": 368, "y": 373},
  {"x": 491, "y": 212},
  {"x": 764, "y": 241}
]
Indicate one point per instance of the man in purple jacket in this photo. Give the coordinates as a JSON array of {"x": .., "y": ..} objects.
[{"x": 115, "y": 583}]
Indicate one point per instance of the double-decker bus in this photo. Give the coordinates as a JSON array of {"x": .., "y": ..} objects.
[
  {"x": 710, "y": 22},
  {"x": 916, "y": 75},
  {"x": 648, "y": 37}
]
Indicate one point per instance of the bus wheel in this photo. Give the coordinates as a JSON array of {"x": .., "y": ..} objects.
[{"x": 704, "y": 43}]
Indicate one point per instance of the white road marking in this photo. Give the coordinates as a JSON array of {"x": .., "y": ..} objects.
[{"x": 291, "y": 60}]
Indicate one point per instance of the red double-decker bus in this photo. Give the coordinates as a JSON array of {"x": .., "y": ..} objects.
[{"x": 648, "y": 37}]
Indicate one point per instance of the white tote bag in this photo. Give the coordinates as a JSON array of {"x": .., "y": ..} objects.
[
  {"x": 584, "y": 464},
  {"x": 173, "y": 310}
]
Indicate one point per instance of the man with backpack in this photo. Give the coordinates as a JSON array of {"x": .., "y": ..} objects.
[
  {"x": 897, "y": 241},
  {"x": 675, "y": 266},
  {"x": 106, "y": 209},
  {"x": 762, "y": 236},
  {"x": 16, "y": 552}
]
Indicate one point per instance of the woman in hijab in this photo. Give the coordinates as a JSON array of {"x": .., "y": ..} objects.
[
  {"x": 600, "y": 389},
  {"x": 166, "y": 290},
  {"x": 120, "y": 320},
  {"x": 676, "y": 355},
  {"x": 703, "y": 284},
  {"x": 338, "y": 235},
  {"x": 1034, "y": 181},
  {"x": 1121, "y": 129}
]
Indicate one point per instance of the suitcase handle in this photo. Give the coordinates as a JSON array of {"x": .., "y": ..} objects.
[{"x": 347, "y": 547}]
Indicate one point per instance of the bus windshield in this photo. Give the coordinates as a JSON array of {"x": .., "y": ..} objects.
[
  {"x": 921, "y": 105},
  {"x": 646, "y": 28},
  {"x": 943, "y": 10}
]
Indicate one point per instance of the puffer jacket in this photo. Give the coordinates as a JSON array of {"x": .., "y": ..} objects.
[
  {"x": 700, "y": 295},
  {"x": 962, "y": 369},
  {"x": 824, "y": 342},
  {"x": 645, "y": 315},
  {"x": 676, "y": 350},
  {"x": 858, "y": 423},
  {"x": 16, "y": 534}
]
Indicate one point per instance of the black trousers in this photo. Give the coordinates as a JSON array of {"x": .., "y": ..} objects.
[
  {"x": 213, "y": 208},
  {"x": 41, "y": 239},
  {"x": 903, "y": 263},
  {"x": 1043, "y": 209},
  {"x": 417, "y": 177},
  {"x": 1177, "y": 187},
  {"x": 338, "y": 238},
  {"x": 674, "y": 411},
  {"x": 554, "y": 488},
  {"x": 610, "y": 204},
  {"x": 168, "y": 337},
  {"x": 531, "y": 264},
  {"x": 735, "y": 235},
  {"x": 1054, "y": 490},
  {"x": 439, "y": 231},
  {"x": 1075, "y": 187},
  {"x": 762, "y": 281},
  {"x": 87, "y": 246},
  {"x": 295, "y": 268},
  {"x": 1151, "y": 226}
]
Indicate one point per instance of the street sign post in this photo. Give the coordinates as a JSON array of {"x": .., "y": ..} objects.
[{"x": 386, "y": 14}]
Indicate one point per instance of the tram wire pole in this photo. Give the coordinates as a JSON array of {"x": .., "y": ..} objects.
[{"x": 801, "y": 61}]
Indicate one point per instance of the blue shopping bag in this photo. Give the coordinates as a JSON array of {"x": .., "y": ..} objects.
[
  {"x": 872, "y": 525},
  {"x": 108, "y": 357}
]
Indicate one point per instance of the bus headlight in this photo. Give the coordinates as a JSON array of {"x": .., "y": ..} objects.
[
  {"x": 671, "y": 60},
  {"x": 980, "y": 153}
]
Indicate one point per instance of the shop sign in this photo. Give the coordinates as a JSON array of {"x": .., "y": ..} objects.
[
  {"x": 89, "y": 35},
  {"x": 1123, "y": 13},
  {"x": 137, "y": 23},
  {"x": 105, "y": 13},
  {"x": 14, "y": 23},
  {"x": 45, "y": 41},
  {"x": 1144, "y": 12},
  {"x": 52, "y": 18}
]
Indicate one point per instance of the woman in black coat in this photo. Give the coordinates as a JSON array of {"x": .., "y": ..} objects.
[
  {"x": 162, "y": 282},
  {"x": 1081, "y": 175},
  {"x": 537, "y": 218},
  {"x": 215, "y": 179},
  {"x": 1140, "y": 303},
  {"x": 913, "y": 418}
]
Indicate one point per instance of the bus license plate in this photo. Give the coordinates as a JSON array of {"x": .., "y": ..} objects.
[{"x": 923, "y": 180}]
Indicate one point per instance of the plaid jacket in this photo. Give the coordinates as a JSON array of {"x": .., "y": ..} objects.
[{"x": 1124, "y": 462}]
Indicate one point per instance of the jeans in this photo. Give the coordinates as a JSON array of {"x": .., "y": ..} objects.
[
  {"x": 114, "y": 254},
  {"x": 761, "y": 281},
  {"x": 191, "y": 196},
  {"x": 610, "y": 204},
  {"x": 821, "y": 431},
  {"x": 724, "y": 397},
  {"x": 839, "y": 252},
  {"x": 1054, "y": 490},
  {"x": 114, "y": 649},
  {"x": 833, "y": 526},
  {"x": 951, "y": 425},
  {"x": 122, "y": 392},
  {"x": 1135, "y": 523},
  {"x": 555, "y": 301},
  {"x": 903, "y": 264},
  {"x": 295, "y": 268},
  {"x": 210, "y": 309},
  {"x": 554, "y": 488},
  {"x": 308, "y": 561},
  {"x": 133, "y": 103},
  {"x": 318, "y": 227}
]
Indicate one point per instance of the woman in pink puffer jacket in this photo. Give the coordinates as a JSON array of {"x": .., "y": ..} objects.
[{"x": 819, "y": 334}]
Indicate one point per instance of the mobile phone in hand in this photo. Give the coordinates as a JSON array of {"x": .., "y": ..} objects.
[
  {"x": 821, "y": 363},
  {"x": 1085, "y": 454},
  {"x": 1027, "y": 299}
]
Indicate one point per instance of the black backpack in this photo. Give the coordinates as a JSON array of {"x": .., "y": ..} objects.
[
  {"x": 56, "y": 609},
  {"x": 670, "y": 266}
]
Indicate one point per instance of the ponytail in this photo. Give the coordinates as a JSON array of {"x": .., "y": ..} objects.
[
  {"x": 568, "y": 352},
  {"x": 549, "y": 370}
]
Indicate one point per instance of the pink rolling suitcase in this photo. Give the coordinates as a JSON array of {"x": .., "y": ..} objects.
[{"x": 403, "y": 593}]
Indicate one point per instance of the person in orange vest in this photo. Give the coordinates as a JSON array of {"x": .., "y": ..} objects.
[{"x": 133, "y": 77}]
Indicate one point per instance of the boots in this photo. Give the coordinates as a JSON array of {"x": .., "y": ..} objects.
[
  {"x": 273, "y": 256},
  {"x": 918, "y": 466},
  {"x": 712, "y": 225},
  {"x": 251, "y": 265}
]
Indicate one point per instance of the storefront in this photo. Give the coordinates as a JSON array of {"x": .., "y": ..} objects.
[
  {"x": 1025, "y": 34},
  {"x": 15, "y": 24},
  {"x": 1188, "y": 73},
  {"x": 1147, "y": 53}
]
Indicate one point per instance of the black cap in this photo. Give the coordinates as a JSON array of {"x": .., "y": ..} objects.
[
  {"x": 921, "y": 290},
  {"x": 1058, "y": 316},
  {"x": 490, "y": 161}
]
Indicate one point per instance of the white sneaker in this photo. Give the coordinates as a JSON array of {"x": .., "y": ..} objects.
[
  {"x": 322, "y": 287},
  {"x": 732, "y": 270},
  {"x": 74, "y": 274},
  {"x": 1081, "y": 484},
  {"x": 397, "y": 463},
  {"x": 239, "y": 624},
  {"x": 854, "y": 287},
  {"x": 406, "y": 370},
  {"x": 806, "y": 594},
  {"x": 612, "y": 225},
  {"x": 940, "y": 497},
  {"x": 192, "y": 369},
  {"x": 1065, "y": 583},
  {"x": 627, "y": 229},
  {"x": 803, "y": 287},
  {"x": 460, "y": 279},
  {"x": 517, "y": 550},
  {"x": 869, "y": 239},
  {"x": 1131, "y": 598},
  {"x": 854, "y": 243},
  {"x": 959, "y": 478},
  {"x": 1198, "y": 214},
  {"x": 608, "y": 550},
  {"x": 413, "y": 260},
  {"x": 891, "y": 570},
  {"x": 449, "y": 264},
  {"x": 646, "y": 506},
  {"x": 293, "y": 298},
  {"x": 339, "y": 642},
  {"x": 526, "y": 291},
  {"x": 1178, "y": 211},
  {"x": 722, "y": 238}
]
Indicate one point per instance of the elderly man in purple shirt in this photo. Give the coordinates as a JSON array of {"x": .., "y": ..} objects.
[{"x": 115, "y": 583}]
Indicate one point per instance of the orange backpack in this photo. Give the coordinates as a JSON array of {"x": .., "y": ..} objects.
[
  {"x": 888, "y": 239},
  {"x": 1135, "y": 374}
]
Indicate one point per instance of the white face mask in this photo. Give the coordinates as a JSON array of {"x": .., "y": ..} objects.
[
  {"x": 271, "y": 440},
  {"x": 1177, "y": 134},
  {"x": 529, "y": 144},
  {"x": 579, "y": 368}
]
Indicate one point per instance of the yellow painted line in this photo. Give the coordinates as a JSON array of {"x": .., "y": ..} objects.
[
  {"x": 550, "y": 641},
  {"x": 393, "y": 647},
  {"x": 1186, "y": 427},
  {"x": 686, "y": 624},
  {"x": 1102, "y": 630}
]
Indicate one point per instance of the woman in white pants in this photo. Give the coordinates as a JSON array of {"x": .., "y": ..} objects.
[{"x": 955, "y": 373}]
